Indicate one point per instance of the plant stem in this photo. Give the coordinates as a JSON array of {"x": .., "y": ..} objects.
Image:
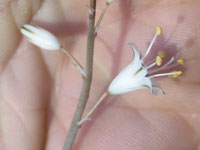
[
  {"x": 74, "y": 61},
  {"x": 73, "y": 130}
]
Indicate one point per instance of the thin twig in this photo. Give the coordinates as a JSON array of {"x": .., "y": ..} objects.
[
  {"x": 74, "y": 61},
  {"x": 73, "y": 130},
  {"x": 97, "y": 26},
  {"x": 87, "y": 117}
]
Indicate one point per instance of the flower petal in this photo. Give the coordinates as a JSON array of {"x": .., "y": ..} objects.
[
  {"x": 127, "y": 85},
  {"x": 137, "y": 55},
  {"x": 131, "y": 77}
]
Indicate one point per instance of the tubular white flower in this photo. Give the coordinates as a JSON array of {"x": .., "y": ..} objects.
[
  {"x": 132, "y": 77},
  {"x": 40, "y": 37},
  {"x": 137, "y": 75}
]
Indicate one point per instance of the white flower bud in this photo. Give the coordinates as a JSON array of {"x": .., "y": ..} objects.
[
  {"x": 40, "y": 37},
  {"x": 110, "y": 1}
]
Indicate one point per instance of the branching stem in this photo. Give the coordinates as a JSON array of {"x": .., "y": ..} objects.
[{"x": 73, "y": 130}]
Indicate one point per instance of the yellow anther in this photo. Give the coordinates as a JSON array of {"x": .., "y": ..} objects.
[
  {"x": 162, "y": 54},
  {"x": 180, "y": 61},
  {"x": 158, "y": 30},
  {"x": 173, "y": 76},
  {"x": 178, "y": 73},
  {"x": 159, "y": 60}
]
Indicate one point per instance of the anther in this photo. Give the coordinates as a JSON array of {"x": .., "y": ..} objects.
[
  {"x": 159, "y": 60},
  {"x": 180, "y": 61},
  {"x": 177, "y": 73},
  {"x": 161, "y": 54},
  {"x": 158, "y": 30}
]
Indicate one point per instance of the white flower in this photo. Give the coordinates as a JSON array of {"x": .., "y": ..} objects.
[
  {"x": 40, "y": 37},
  {"x": 137, "y": 75}
]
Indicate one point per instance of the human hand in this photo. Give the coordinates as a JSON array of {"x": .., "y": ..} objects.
[{"x": 40, "y": 89}]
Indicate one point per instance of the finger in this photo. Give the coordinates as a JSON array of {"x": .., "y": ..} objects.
[
  {"x": 22, "y": 104},
  {"x": 123, "y": 127},
  {"x": 13, "y": 15}
]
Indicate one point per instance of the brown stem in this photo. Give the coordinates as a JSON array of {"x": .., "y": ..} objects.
[{"x": 73, "y": 130}]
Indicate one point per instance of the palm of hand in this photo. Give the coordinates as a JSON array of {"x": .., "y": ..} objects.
[{"x": 40, "y": 89}]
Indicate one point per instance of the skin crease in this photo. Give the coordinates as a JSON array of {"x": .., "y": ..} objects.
[{"x": 39, "y": 89}]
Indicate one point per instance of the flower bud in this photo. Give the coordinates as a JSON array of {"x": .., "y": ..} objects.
[
  {"x": 109, "y": 1},
  {"x": 40, "y": 37}
]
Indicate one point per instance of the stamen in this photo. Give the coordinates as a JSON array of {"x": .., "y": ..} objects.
[
  {"x": 151, "y": 65},
  {"x": 150, "y": 62},
  {"x": 165, "y": 66},
  {"x": 150, "y": 46},
  {"x": 180, "y": 61},
  {"x": 163, "y": 74},
  {"x": 178, "y": 73},
  {"x": 158, "y": 32}
]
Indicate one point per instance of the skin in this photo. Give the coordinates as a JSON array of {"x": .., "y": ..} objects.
[{"x": 39, "y": 89}]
